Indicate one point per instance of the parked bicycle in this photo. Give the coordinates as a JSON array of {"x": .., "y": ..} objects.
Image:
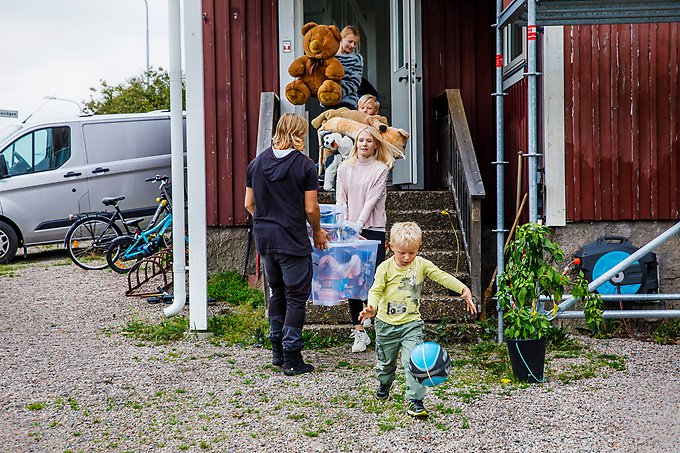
[
  {"x": 124, "y": 251},
  {"x": 90, "y": 236}
]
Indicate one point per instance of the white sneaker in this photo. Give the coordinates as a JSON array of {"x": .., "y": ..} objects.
[
  {"x": 361, "y": 340},
  {"x": 367, "y": 323}
]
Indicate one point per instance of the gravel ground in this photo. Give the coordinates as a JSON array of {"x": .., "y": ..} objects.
[{"x": 71, "y": 381}]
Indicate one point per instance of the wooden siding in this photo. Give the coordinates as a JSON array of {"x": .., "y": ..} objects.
[
  {"x": 622, "y": 113},
  {"x": 464, "y": 59},
  {"x": 516, "y": 142},
  {"x": 240, "y": 61}
]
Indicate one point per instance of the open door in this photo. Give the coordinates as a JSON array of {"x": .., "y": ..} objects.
[{"x": 406, "y": 84}]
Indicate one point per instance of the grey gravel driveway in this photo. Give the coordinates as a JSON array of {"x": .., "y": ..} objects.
[{"x": 69, "y": 381}]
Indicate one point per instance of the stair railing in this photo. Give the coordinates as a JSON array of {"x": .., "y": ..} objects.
[{"x": 459, "y": 172}]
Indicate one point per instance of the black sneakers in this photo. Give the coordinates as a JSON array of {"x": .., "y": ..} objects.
[
  {"x": 383, "y": 391},
  {"x": 416, "y": 409}
]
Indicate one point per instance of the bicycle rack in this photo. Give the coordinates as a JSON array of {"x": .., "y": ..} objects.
[{"x": 156, "y": 268}]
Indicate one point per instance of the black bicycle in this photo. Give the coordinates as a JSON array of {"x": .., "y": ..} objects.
[{"x": 90, "y": 236}]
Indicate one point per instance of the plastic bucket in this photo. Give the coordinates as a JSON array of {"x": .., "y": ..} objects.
[{"x": 527, "y": 358}]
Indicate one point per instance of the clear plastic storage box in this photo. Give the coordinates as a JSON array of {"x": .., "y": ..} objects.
[{"x": 344, "y": 271}]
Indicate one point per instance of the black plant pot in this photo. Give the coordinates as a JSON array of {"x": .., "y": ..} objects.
[{"x": 527, "y": 358}]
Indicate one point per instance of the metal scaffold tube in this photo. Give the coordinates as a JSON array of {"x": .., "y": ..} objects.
[
  {"x": 532, "y": 113},
  {"x": 620, "y": 314},
  {"x": 500, "y": 194}
]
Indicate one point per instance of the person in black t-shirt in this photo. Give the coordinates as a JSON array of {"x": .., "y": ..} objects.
[{"x": 281, "y": 193}]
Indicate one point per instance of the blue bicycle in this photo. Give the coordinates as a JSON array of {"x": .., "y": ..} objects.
[{"x": 126, "y": 250}]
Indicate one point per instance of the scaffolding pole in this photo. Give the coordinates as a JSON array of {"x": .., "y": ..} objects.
[
  {"x": 532, "y": 112},
  {"x": 500, "y": 163}
]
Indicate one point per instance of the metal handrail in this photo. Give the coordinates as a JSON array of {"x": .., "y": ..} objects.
[{"x": 459, "y": 171}]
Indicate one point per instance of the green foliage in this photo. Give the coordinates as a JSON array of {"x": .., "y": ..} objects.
[
  {"x": 668, "y": 332},
  {"x": 531, "y": 271},
  {"x": 134, "y": 95},
  {"x": 228, "y": 287},
  {"x": 241, "y": 325},
  {"x": 167, "y": 330}
]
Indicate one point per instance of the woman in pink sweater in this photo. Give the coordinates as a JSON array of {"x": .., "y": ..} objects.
[{"x": 362, "y": 191}]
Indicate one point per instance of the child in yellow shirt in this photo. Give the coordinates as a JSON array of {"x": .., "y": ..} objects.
[{"x": 395, "y": 298}]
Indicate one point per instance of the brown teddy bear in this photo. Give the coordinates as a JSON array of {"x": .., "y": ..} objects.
[
  {"x": 318, "y": 73},
  {"x": 351, "y": 122}
]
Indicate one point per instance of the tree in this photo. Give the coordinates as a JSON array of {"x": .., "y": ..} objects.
[{"x": 134, "y": 95}]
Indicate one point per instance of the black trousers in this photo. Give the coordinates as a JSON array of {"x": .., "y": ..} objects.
[
  {"x": 356, "y": 305},
  {"x": 290, "y": 282}
]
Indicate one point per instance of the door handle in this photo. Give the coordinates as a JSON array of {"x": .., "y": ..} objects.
[
  {"x": 72, "y": 174},
  {"x": 100, "y": 170},
  {"x": 402, "y": 78}
]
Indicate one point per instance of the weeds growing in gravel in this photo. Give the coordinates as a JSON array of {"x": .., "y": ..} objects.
[{"x": 668, "y": 332}]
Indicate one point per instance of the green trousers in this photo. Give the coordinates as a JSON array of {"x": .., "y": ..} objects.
[{"x": 389, "y": 340}]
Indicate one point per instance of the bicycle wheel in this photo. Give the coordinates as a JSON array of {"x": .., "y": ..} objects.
[
  {"x": 88, "y": 239},
  {"x": 115, "y": 252}
]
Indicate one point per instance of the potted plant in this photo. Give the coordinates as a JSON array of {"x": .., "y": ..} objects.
[{"x": 530, "y": 272}]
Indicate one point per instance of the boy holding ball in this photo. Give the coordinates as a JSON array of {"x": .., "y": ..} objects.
[{"x": 395, "y": 298}]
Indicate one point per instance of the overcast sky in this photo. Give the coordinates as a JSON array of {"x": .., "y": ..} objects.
[{"x": 63, "y": 47}]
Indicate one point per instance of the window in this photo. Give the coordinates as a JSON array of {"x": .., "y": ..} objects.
[
  {"x": 514, "y": 49},
  {"x": 41, "y": 150}
]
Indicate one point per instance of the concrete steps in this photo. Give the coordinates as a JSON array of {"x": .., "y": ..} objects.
[{"x": 439, "y": 246}]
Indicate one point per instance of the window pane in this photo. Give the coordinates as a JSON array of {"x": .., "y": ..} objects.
[
  {"x": 59, "y": 151},
  {"x": 20, "y": 159},
  {"x": 399, "y": 39}
]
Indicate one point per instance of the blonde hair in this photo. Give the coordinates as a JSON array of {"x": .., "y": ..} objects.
[
  {"x": 363, "y": 100},
  {"x": 407, "y": 234},
  {"x": 382, "y": 154},
  {"x": 291, "y": 131},
  {"x": 349, "y": 30}
]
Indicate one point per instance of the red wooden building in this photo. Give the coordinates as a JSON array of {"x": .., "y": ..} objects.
[{"x": 609, "y": 115}]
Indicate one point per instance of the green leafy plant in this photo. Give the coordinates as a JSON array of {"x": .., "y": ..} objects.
[{"x": 530, "y": 272}]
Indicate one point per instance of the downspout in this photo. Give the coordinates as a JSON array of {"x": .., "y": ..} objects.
[
  {"x": 500, "y": 163},
  {"x": 532, "y": 114},
  {"x": 198, "y": 277},
  {"x": 177, "y": 160}
]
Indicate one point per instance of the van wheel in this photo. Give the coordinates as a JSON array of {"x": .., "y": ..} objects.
[{"x": 8, "y": 243}]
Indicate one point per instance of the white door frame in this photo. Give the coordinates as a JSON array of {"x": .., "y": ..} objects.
[{"x": 409, "y": 172}]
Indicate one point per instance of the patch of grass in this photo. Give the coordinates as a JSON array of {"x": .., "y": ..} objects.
[
  {"x": 10, "y": 270},
  {"x": 35, "y": 406},
  {"x": 313, "y": 432},
  {"x": 242, "y": 324},
  {"x": 314, "y": 340},
  {"x": 229, "y": 288},
  {"x": 165, "y": 331},
  {"x": 389, "y": 422},
  {"x": 592, "y": 365}
]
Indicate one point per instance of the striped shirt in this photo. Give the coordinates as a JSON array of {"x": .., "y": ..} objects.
[{"x": 353, "y": 63}]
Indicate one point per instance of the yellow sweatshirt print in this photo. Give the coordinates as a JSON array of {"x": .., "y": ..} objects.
[{"x": 396, "y": 292}]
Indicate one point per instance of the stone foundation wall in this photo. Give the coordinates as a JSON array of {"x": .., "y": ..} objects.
[
  {"x": 227, "y": 250},
  {"x": 575, "y": 235}
]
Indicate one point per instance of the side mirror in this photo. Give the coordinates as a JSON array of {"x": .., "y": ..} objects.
[{"x": 3, "y": 167}]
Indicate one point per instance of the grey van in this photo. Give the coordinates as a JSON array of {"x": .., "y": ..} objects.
[{"x": 51, "y": 170}]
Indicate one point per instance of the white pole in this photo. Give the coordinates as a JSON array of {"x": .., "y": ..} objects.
[
  {"x": 148, "y": 66},
  {"x": 177, "y": 160},
  {"x": 198, "y": 276}
]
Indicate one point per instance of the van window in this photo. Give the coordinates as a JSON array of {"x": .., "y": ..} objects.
[
  {"x": 106, "y": 142},
  {"x": 41, "y": 150}
]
